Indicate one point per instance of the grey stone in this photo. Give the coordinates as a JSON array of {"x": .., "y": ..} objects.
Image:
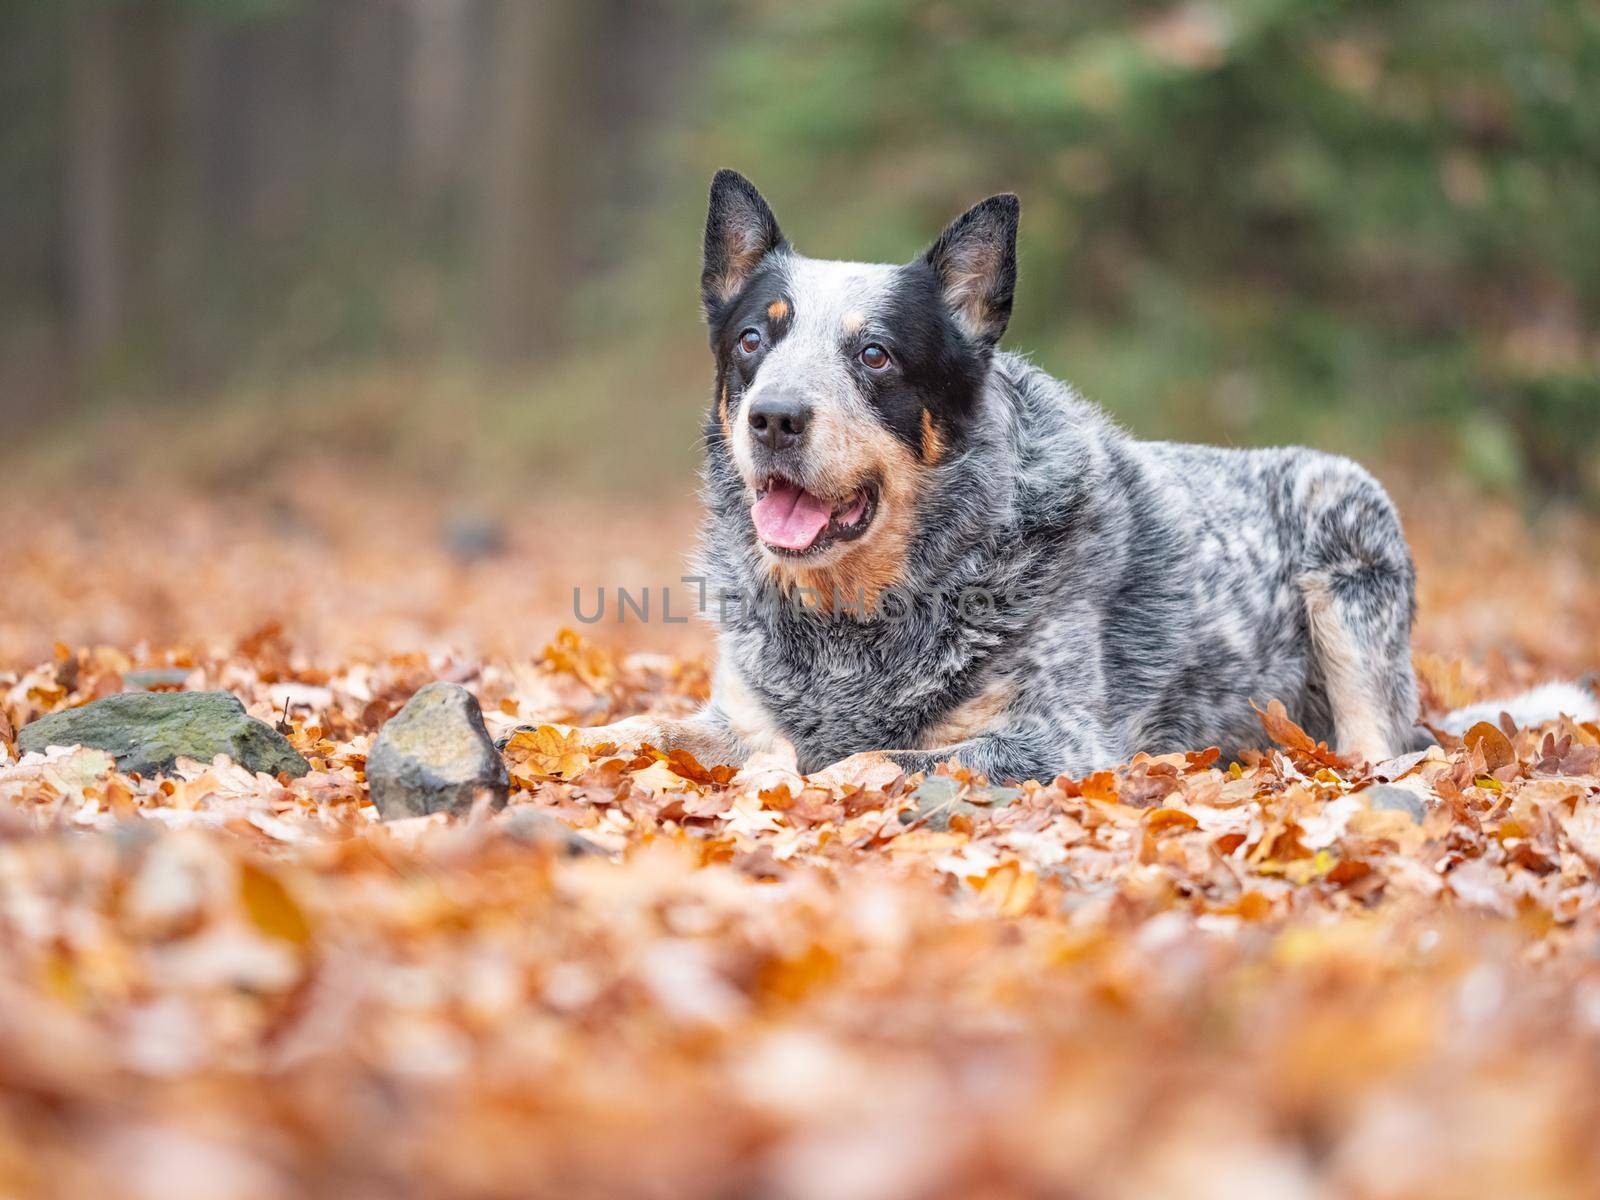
[
  {"x": 435, "y": 755},
  {"x": 146, "y": 732},
  {"x": 540, "y": 828},
  {"x": 470, "y": 538},
  {"x": 1384, "y": 796}
]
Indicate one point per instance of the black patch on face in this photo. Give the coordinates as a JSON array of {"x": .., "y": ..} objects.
[
  {"x": 935, "y": 369},
  {"x": 751, "y": 308}
]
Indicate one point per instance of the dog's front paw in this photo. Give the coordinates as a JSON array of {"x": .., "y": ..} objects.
[{"x": 627, "y": 734}]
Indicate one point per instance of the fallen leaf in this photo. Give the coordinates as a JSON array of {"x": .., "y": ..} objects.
[
  {"x": 270, "y": 907},
  {"x": 1492, "y": 743}
]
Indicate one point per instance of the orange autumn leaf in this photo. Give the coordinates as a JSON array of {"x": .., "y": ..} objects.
[
  {"x": 649, "y": 978},
  {"x": 1009, "y": 888},
  {"x": 1159, "y": 819},
  {"x": 1275, "y": 720},
  {"x": 270, "y": 907},
  {"x": 1492, "y": 742},
  {"x": 549, "y": 753},
  {"x": 682, "y": 763},
  {"x": 1102, "y": 785},
  {"x": 573, "y": 654}
]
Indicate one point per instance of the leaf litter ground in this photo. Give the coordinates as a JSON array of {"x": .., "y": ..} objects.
[{"x": 1293, "y": 976}]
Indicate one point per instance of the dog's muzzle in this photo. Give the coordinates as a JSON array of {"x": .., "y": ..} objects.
[{"x": 793, "y": 522}]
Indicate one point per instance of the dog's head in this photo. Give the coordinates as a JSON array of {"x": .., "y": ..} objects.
[{"x": 841, "y": 387}]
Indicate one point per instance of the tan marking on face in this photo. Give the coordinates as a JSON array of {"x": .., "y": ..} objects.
[
  {"x": 722, "y": 412},
  {"x": 978, "y": 715},
  {"x": 853, "y": 321},
  {"x": 778, "y": 310},
  {"x": 932, "y": 442},
  {"x": 856, "y": 573},
  {"x": 794, "y": 579}
]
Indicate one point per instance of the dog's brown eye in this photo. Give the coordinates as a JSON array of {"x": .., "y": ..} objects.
[
  {"x": 750, "y": 341},
  {"x": 874, "y": 356}
]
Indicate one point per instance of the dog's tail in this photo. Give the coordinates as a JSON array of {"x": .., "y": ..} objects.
[{"x": 1570, "y": 698}]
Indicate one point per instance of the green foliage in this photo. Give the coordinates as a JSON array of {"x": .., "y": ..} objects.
[
  {"x": 1240, "y": 219},
  {"x": 233, "y": 10},
  {"x": 1342, "y": 222}
]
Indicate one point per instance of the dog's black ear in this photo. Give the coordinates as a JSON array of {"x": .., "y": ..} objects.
[
  {"x": 975, "y": 260},
  {"x": 740, "y": 232}
]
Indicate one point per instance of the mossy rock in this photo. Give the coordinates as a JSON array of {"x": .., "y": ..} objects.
[
  {"x": 435, "y": 755},
  {"x": 146, "y": 732}
]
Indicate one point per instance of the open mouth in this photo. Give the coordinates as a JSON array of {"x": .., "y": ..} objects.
[{"x": 790, "y": 520}]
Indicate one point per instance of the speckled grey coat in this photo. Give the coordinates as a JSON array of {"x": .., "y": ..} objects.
[
  {"x": 1145, "y": 594},
  {"x": 1047, "y": 594}
]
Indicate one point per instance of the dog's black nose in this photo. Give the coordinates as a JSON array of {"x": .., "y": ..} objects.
[{"x": 779, "y": 419}]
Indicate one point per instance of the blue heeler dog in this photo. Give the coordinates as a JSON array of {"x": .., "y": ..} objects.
[{"x": 921, "y": 546}]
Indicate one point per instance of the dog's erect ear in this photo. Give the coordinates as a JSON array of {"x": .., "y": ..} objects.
[
  {"x": 975, "y": 260},
  {"x": 740, "y": 232}
]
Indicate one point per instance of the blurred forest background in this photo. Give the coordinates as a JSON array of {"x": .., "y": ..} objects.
[{"x": 463, "y": 235}]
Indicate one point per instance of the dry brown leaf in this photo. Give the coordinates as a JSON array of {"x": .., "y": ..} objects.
[
  {"x": 549, "y": 753},
  {"x": 270, "y": 907},
  {"x": 1492, "y": 743}
]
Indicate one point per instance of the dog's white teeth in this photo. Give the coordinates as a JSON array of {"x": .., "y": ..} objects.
[{"x": 852, "y": 510}]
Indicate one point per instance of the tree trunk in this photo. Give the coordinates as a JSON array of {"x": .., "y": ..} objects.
[
  {"x": 93, "y": 192},
  {"x": 436, "y": 84},
  {"x": 533, "y": 137},
  {"x": 161, "y": 226}
]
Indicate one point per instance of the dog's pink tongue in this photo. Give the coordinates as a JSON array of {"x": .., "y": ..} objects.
[{"x": 789, "y": 517}]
